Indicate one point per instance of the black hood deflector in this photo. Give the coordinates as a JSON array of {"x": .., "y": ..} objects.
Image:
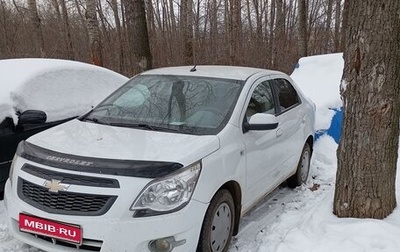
[{"x": 130, "y": 168}]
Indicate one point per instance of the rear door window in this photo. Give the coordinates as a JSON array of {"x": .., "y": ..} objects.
[{"x": 286, "y": 95}]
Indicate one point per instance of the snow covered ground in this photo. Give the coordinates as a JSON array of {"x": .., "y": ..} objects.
[{"x": 298, "y": 220}]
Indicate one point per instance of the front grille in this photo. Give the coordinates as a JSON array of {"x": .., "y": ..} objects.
[
  {"x": 69, "y": 203},
  {"x": 70, "y": 178}
]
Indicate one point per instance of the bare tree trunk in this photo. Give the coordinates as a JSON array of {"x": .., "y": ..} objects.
[
  {"x": 67, "y": 31},
  {"x": 337, "y": 25},
  {"x": 367, "y": 153},
  {"x": 302, "y": 42},
  {"x": 272, "y": 34},
  {"x": 214, "y": 29},
  {"x": 187, "y": 30},
  {"x": 94, "y": 33},
  {"x": 345, "y": 21},
  {"x": 259, "y": 27},
  {"x": 249, "y": 19},
  {"x": 279, "y": 41},
  {"x": 172, "y": 16},
  {"x": 114, "y": 7},
  {"x": 82, "y": 18},
  {"x": 328, "y": 26},
  {"x": 138, "y": 35},
  {"x": 37, "y": 27},
  {"x": 4, "y": 35},
  {"x": 235, "y": 31}
]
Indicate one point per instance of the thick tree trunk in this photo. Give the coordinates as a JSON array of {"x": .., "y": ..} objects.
[
  {"x": 137, "y": 35},
  {"x": 367, "y": 153},
  {"x": 302, "y": 42},
  {"x": 94, "y": 33}
]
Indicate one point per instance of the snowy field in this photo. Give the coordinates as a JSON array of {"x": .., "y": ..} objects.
[{"x": 300, "y": 220}]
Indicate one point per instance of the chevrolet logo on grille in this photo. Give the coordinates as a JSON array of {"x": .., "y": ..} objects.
[{"x": 55, "y": 185}]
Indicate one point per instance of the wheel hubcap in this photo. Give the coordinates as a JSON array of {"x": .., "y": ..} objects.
[{"x": 221, "y": 227}]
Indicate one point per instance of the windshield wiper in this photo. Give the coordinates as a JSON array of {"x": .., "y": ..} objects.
[
  {"x": 95, "y": 120},
  {"x": 144, "y": 126}
]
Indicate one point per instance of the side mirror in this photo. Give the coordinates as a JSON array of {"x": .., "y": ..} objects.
[
  {"x": 32, "y": 117},
  {"x": 261, "y": 121}
]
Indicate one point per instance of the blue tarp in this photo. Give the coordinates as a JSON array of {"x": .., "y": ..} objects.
[{"x": 335, "y": 128}]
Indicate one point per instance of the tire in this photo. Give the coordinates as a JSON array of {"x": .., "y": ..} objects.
[
  {"x": 218, "y": 224},
  {"x": 303, "y": 168}
]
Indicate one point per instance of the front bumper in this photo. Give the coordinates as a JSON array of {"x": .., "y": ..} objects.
[{"x": 111, "y": 233}]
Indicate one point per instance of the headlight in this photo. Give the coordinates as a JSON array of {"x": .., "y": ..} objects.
[{"x": 168, "y": 194}]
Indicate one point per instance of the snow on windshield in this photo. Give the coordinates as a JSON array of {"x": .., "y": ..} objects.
[
  {"x": 319, "y": 78},
  {"x": 61, "y": 88}
]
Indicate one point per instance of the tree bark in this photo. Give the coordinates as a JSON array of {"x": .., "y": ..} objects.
[
  {"x": 94, "y": 33},
  {"x": 367, "y": 153},
  {"x": 235, "y": 31},
  {"x": 138, "y": 36},
  {"x": 187, "y": 30},
  {"x": 302, "y": 42}
]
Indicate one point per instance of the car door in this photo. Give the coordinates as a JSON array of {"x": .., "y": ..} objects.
[
  {"x": 262, "y": 156},
  {"x": 292, "y": 118}
]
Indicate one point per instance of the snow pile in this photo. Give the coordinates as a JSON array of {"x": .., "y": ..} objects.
[
  {"x": 319, "y": 78},
  {"x": 308, "y": 224},
  {"x": 61, "y": 88}
]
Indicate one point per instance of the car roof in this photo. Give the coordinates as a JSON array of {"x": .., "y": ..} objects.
[{"x": 214, "y": 71}]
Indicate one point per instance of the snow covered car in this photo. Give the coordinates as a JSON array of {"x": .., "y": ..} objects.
[
  {"x": 168, "y": 162},
  {"x": 37, "y": 94}
]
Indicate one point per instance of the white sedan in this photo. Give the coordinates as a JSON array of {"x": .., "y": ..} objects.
[{"x": 168, "y": 162}]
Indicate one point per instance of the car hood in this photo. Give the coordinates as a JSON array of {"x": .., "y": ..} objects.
[{"x": 86, "y": 139}]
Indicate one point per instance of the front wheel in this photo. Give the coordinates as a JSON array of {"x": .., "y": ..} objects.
[
  {"x": 303, "y": 167},
  {"x": 217, "y": 229}
]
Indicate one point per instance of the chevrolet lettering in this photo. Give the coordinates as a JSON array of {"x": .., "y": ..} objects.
[
  {"x": 69, "y": 161},
  {"x": 170, "y": 162}
]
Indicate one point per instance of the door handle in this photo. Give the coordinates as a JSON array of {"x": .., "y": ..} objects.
[{"x": 279, "y": 132}]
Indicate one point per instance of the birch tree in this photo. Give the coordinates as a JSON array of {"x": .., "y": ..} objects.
[{"x": 94, "y": 33}]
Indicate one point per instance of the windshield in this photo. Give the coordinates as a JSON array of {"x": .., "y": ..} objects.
[{"x": 185, "y": 104}]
